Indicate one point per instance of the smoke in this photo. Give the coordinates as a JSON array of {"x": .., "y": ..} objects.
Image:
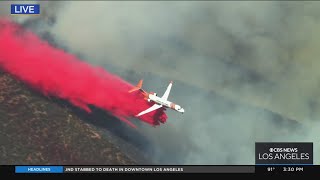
[
  {"x": 261, "y": 57},
  {"x": 204, "y": 38}
]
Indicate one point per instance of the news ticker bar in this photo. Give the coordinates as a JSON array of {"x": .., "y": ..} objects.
[
  {"x": 225, "y": 169},
  {"x": 134, "y": 169},
  {"x": 242, "y": 169}
]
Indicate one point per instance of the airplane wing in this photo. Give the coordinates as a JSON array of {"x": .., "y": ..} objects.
[
  {"x": 166, "y": 94},
  {"x": 152, "y": 108}
]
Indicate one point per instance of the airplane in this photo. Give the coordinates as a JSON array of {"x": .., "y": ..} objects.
[{"x": 159, "y": 101}]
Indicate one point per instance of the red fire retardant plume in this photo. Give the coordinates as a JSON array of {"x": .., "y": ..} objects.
[{"x": 57, "y": 73}]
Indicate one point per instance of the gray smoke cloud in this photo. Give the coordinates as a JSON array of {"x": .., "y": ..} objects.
[{"x": 261, "y": 57}]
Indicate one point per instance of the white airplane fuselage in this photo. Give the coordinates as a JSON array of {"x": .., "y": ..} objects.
[
  {"x": 165, "y": 103},
  {"x": 159, "y": 101}
]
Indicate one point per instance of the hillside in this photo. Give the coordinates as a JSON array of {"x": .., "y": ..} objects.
[{"x": 35, "y": 129}]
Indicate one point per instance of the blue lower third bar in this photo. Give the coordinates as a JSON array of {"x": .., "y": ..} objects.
[{"x": 39, "y": 169}]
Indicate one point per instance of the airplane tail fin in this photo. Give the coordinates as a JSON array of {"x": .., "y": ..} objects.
[{"x": 138, "y": 86}]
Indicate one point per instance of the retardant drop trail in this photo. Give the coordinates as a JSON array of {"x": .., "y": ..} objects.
[{"x": 54, "y": 72}]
